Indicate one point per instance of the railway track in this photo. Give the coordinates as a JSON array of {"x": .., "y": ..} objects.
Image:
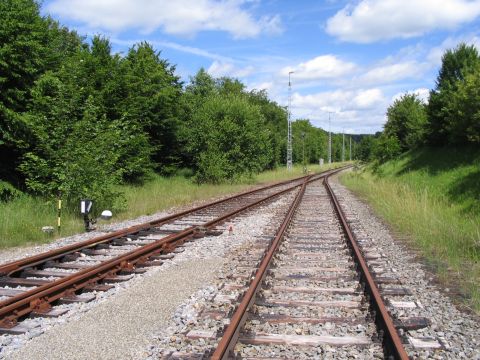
[
  {"x": 296, "y": 294},
  {"x": 32, "y": 286}
]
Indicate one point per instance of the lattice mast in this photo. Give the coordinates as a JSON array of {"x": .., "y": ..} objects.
[
  {"x": 329, "y": 140},
  {"x": 289, "y": 120}
]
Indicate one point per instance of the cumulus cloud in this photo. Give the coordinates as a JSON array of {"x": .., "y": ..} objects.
[
  {"x": 389, "y": 73},
  {"x": 340, "y": 100},
  {"x": 362, "y": 109},
  {"x": 368, "y": 98},
  {"x": 320, "y": 67},
  {"x": 422, "y": 93},
  {"x": 372, "y": 20},
  {"x": 219, "y": 69},
  {"x": 181, "y": 17}
]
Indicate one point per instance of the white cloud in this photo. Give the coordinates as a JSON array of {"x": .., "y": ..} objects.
[
  {"x": 321, "y": 67},
  {"x": 436, "y": 53},
  {"x": 392, "y": 72},
  {"x": 339, "y": 100},
  {"x": 219, "y": 69},
  {"x": 175, "y": 46},
  {"x": 362, "y": 109},
  {"x": 368, "y": 98},
  {"x": 422, "y": 93},
  {"x": 266, "y": 85},
  {"x": 181, "y": 17},
  {"x": 373, "y": 20}
]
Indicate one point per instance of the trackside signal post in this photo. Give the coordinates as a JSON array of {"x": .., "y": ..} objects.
[{"x": 85, "y": 208}]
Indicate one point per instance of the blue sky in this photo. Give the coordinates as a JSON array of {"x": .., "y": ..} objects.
[{"x": 352, "y": 58}]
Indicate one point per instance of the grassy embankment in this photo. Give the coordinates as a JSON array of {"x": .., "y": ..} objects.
[
  {"x": 432, "y": 197},
  {"x": 21, "y": 220}
]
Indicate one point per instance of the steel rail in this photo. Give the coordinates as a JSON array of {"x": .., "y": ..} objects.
[
  {"x": 232, "y": 332},
  {"x": 19, "y": 265},
  {"x": 391, "y": 340},
  {"x": 40, "y": 298}
]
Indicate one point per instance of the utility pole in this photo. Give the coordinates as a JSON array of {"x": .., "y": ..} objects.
[
  {"x": 289, "y": 132},
  {"x": 343, "y": 145},
  {"x": 350, "y": 148},
  {"x": 329, "y": 139},
  {"x": 303, "y": 145}
]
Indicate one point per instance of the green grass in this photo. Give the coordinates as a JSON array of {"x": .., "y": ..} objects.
[
  {"x": 21, "y": 220},
  {"x": 432, "y": 197}
]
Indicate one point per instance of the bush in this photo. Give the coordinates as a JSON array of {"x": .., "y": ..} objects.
[
  {"x": 91, "y": 161},
  {"x": 227, "y": 139},
  {"x": 386, "y": 148},
  {"x": 8, "y": 192}
]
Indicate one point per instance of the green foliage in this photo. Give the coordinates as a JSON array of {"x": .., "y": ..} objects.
[
  {"x": 463, "y": 123},
  {"x": 8, "y": 192},
  {"x": 386, "y": 148},
  {"x": 22, "y": 52},
  {"x": 457, "y": 64},
  {"x": 452, "y": 115},
  {"x": 406, "y": 119},
  {"x": 22, "y": 31},
  {"x": 227, "y": 139},
  {"x": 275, "y": 120},
  {"x": 84, "y": 159},
  {"x": 29, "y": 46},
  {"x": 151, "y": 98},
  {"x": 314, "y": 139},
  {"x": 230, "y": 133},
  {"x": 365, "y": 148}
]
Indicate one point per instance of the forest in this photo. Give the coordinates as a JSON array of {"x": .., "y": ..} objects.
[
  {"x": 77, "y": 119},
  {"x": 451, "y": 118}
]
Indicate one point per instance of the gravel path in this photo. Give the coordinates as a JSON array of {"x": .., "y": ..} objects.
[{"x": 120, "y": 328}]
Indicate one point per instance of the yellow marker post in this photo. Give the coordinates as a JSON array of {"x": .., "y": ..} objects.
[{"x": 59, "y": 214}]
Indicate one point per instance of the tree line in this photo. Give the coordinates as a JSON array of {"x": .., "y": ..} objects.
[
  {"x": 451, "y": 117},
  {"x": 77, "y": 119}
]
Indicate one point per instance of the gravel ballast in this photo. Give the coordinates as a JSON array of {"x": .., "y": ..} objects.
[
  {"x": 457, "y": 331},
  {"x": 144, "y": 317},
  {"x": 120, "y": 323}
]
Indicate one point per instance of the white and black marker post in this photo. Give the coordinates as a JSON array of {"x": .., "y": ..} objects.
[{"x": 85, "y": 207}]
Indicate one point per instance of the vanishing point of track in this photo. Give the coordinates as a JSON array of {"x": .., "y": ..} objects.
[{"x": 316, "y": 251}]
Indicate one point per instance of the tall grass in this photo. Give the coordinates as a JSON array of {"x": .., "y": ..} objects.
[
  {"x": 21, "y": 220},
  {"x": 416, "y": 205}
]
